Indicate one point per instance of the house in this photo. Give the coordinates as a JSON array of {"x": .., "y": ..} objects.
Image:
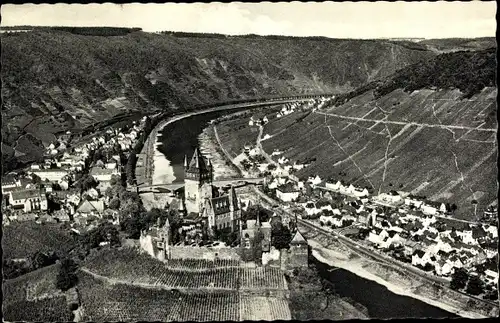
[
  {"x": 491, "y": 276},
  {"x": 64, "y": 184},
  {"x": 222, "y": 211},
  {"x": 91, "y": 207},
  {"x": 358, "y": 192},
  {"x": 430, "y": 207},
  {"x": 333, "y": 186},
  {"x": 26, "y": 217},
  {"x": 492, "y": 231},
  {"x": 92, "y": 193},
  {"x": 248, "y": 235},
  {"x": 392, "y": 197},
  {"x": 156, "y": 240},
  {"x": 50, "y": 174},
  {"x": 423, "y": 258},
  {"x": 28, "y": 200},
  {"x": 102, "y": 174},
  {"x": 314, "y": 180},
  {"x": 443, "y": 267},
  {"x": 287, "y": 192},
  {"x": 377, "y": 236},
  {"x": 297, "y": 256},
  {"x": 392, "y": 239},
  {"x": 9, "y": 183},
  {"x": 62, "y": 215}
]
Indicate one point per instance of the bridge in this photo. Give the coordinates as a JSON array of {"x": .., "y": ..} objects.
[{"x": 237, "y": 182}]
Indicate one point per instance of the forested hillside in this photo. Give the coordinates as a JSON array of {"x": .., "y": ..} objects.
[{"x": 68, "y": 78}]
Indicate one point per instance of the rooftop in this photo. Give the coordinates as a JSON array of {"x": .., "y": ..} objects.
[{"x": 26, "y": 194}]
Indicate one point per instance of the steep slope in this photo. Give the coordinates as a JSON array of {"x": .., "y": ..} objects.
[
  {"x": 55, "y": 80},
  {"x": 429, "y": 141},
  {"x": 457, "y": 44}
]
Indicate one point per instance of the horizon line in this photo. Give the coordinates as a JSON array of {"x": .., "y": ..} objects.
[{"x": 239, "y": 35}]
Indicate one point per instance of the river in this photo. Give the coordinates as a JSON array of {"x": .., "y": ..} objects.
[{"x": 181, "y": 138}]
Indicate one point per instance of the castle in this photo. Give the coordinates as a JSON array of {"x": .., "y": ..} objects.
[
  {"x": 218, "y": 209},
  {"x": 156, "y": 240}
]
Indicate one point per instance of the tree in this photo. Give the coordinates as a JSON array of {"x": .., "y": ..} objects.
[
  {"x": 474, "y": 286},
  {"x": 115, "y": 180},
  {"x": 459, "y": 279},
  {"x": 66, "y": 277},
  {"x": 87, "y": 182},
  {"x": 39, "y": 260},
  {"x": 114, "y": 203},
  {"x": 35, "y": 179},
  {"x": 281, "y": 237}
]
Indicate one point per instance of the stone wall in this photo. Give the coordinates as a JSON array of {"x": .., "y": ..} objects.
[
  {"x": 181, "y": 252},
  {"x": 295, "y": 257}
]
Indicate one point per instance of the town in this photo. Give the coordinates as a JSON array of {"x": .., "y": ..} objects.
[
  {"x": 288, "y": 166},
  {"x": 83, "y": 187}
]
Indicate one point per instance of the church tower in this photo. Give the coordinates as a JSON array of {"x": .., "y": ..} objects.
[
  {"x": 234, "y": 209},
  {"x": 198, "y": 177}
]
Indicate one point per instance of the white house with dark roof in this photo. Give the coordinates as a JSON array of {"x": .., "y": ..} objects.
[
  {"x": 9, "y": 183},
  {"x": 28, "y": 200},
  {"x": 287, "y": 192},
  {"x": 103, "y": 174},
  {"x": 91, "y": 207},
  {"x": 51, "y": 174}
]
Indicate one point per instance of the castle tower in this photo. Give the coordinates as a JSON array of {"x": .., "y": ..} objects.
[
  {"x": 166, "y": 239},
  {"x": 196, "y": 174}
]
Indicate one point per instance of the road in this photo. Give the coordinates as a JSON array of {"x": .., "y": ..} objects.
[
  {"x": 402, "y": 123},
  {"x": 222, "y": 182},
  {"x": 262, "y": 151},
  {"x": 148, "y": 150},
  {"x": 358, "y": 248}
]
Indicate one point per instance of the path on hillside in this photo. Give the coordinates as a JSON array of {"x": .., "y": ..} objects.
[
  {"x": 446, "y": 127},
  {"x": 113, "y": 281},
  {"x": 262, "y": 151}
]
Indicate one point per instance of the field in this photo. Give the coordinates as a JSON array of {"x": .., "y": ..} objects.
[
  {"x": 34, "y": 297},
  {"x": 20, "y": 240},
  {"x": 102, "y": 302},
  {"x": 36, "y": 284},
  {"x": 424, "y": 142},
  {"x": 129, "y": 265},
  {"x": 46, "y": 310},
  {"x": 235, "y": 134},
  {"x": 256, "y": 308}
]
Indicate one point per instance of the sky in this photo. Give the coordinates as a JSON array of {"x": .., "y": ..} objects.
[{"x": 331, "y": 19}]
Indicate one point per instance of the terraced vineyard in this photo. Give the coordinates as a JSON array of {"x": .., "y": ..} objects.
[
  {"x": 53, "y": 309},
  {"x": 23, "y": 239},
  {"x": 37, "y": 284},
  {"x": 129, "y": 265},
  {"x": 103, "y": 302},
  {"x": 261, "y": 278},
  {"x": 143, "y": 288},
  {"x": 256, "y": 308},
  {"x": 428, "y": 142},
  {"x": 34, "y": 297}
]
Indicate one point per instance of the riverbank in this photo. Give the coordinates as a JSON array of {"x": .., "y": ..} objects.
[
  {"x": 395, "y": 283},
  {"x": 209, "y": 147},
  {"x": 396, "y": 280},
  {"x": 154, "y": 168}
]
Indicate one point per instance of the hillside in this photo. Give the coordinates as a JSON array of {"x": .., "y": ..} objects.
[
  {"x": 55, "y": 80},
  {"x": 458, "y": 44},
  {"x": 429, "y": 140}
]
